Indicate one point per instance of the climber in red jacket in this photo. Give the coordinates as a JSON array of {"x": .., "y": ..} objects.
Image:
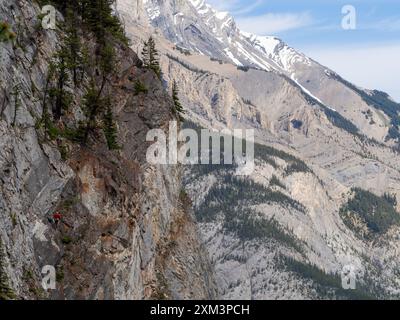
[{"x": 57, "y": 217}]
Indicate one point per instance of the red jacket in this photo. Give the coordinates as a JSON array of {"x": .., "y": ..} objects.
[{"x": 57, "y": 216}]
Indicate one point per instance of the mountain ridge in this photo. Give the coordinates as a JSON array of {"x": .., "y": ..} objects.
[
  {"x": 197, "y": 27},
  {"x": 298, "y": 108}
]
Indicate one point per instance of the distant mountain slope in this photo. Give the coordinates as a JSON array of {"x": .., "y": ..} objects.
[
  {"x": 283, "y": 232},
  {"x": 195, "y": 26}
]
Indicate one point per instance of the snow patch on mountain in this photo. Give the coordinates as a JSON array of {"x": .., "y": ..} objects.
[
  {"x": 276, "y": 50},
  {"x": 232, "y": 57}
]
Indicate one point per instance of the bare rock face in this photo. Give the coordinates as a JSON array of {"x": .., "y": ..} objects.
[
  {"x": 324, "y": 144},
  {"x": 126, "y": 232},
  {"x": 322, "y": 196}
]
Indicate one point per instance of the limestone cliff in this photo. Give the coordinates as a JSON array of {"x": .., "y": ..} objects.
[{"x": 127, "y": 232}]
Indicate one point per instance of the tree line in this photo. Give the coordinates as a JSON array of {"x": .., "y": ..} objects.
[{"x": 73, "y": 66}]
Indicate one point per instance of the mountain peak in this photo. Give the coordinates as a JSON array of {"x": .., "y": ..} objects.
[{"x": 196, "y": 25}]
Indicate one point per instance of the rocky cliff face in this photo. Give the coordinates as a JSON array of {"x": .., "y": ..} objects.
[
  {"x": 325, "y": 164},
  {"x": 322, "y": 197},
  {"x": 127, "y": 231}
]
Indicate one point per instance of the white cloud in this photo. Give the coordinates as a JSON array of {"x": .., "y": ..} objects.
[
  {"x": 388, "y": 24},
  {"x": 373, "y": 66},
  {"x": 273, "y": 23},
  {"x": 248, "y": 8}
]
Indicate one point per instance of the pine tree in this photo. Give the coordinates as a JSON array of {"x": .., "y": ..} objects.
[
  {"x": 6, "y": 293},
  {"x": 150, "y": 57},
  {"x": 110, "y": 128},
  {"x": 98, "y": 14},
  {"x": 73, "y": 60},
  {"x": 140, "y": 87},
  {"x": 177, "y": 108},
  {"x": 73, "y": 46},
  {"x": 61, "y": 99},
  {"x": 145, "y": 55},
  {"x": 107, "y": 59},
  {"x": 92, "y": 106}
]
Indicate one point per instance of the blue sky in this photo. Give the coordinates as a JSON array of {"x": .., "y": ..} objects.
[{"x": 369, "y": 56}]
